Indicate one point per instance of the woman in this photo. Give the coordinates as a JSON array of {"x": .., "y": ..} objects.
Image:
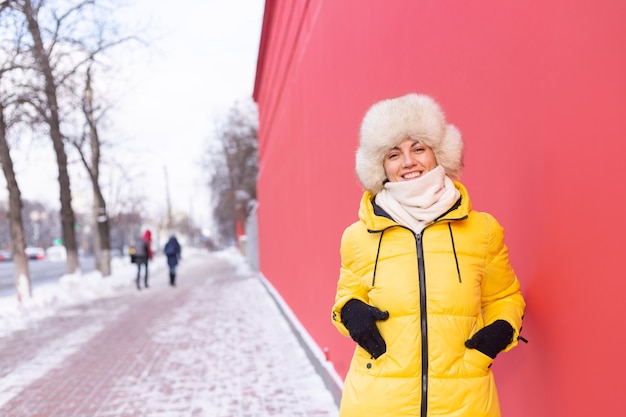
[
  {"x": 141, "y": 254},
  {"x": 425, "y": 288},
  {"x": 172, "y": 251}
]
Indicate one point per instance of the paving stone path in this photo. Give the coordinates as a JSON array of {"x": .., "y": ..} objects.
[{"x": 214, "y": 346}]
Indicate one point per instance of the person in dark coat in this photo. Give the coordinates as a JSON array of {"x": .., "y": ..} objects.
[
  {"x": 172, "y": 251},
  {"x": 142, "y": 255}
]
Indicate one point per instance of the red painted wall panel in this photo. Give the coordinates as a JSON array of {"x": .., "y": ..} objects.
[{"x": 539, "y": 92}]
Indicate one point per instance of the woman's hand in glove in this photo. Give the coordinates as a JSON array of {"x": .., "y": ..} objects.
[
  {"x": 492, "y": 339},
  {"x": 360, "y": 320}
]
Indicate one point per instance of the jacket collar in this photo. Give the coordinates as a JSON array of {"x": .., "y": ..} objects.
[{"x": 375, "y": 218}]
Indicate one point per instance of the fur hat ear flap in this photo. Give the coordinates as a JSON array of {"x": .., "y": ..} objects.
[
  {"x": 449, "y": 153},
  {"x": 390, "y": 121}
]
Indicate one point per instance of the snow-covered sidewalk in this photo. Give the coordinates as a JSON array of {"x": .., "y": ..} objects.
[{"x": 216, "y": 345}]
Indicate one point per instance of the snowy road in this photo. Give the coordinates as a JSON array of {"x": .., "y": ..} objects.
[{"x": 41, "y": 272}]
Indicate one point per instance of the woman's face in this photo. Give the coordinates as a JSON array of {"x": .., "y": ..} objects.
[{"x": 409, "y": 160}]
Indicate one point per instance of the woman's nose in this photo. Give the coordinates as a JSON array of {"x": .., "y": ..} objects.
[{"x": 407, "y": 159}]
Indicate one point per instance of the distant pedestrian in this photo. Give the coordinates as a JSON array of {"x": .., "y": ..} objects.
[
  {"x": 172, "y": 251},
  {"x": 142, "y": 255}
]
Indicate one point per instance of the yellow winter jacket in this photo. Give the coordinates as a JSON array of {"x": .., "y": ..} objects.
[{"x": 464, "y": 283}]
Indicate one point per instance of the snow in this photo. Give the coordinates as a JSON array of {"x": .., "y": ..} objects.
[
  {"x": 213, "y": 398},
  {"x": 50, "y": 357},
  {"x": 69, "y": 290}
]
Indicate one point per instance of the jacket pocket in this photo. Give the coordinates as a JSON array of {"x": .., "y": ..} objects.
[
  {"x": 363, "y": 363},
  {"x": 476, "y": 362}
]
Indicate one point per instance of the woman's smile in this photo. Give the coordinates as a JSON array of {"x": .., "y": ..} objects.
[
  {"x": 412, "y": 175},
  {"x": 408, "y": 160}
]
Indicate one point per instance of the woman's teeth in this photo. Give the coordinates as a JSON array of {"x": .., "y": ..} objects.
[{"x": 411, "y": 175}]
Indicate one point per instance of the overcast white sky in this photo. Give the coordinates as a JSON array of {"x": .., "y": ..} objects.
[{"x": 202, "y": 59}]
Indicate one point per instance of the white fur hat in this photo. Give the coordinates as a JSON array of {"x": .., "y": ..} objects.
[{"x": 390, "y": 121}]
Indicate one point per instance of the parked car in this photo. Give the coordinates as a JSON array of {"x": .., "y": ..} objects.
[
  {"x": 56, "y": 253},
  {"x": 35, "y": 253},
  {"x": 6, "y": 255}
]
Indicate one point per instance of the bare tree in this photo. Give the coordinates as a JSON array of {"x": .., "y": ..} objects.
[
  {"x": 102, "y": 232},
  {"x": 18, "y": 242},
  {"x": 66, "y": 37},
  {"x": 49, "y": 110},
  {"x": 88, "y": 142},
  {"x": 10, "y": 64},
  {"x": 55, "y": 48},
  {"x": 233, "y": 165}
]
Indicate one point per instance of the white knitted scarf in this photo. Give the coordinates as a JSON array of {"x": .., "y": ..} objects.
[{"x": 416, "y": 203}]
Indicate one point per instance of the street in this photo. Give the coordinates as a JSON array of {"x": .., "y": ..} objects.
[{"x": 41, "y": 272}]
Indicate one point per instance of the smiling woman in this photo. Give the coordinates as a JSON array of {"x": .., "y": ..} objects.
[
  {"x": 425, "y": 286},
  {"x": 408, "y": 160}
]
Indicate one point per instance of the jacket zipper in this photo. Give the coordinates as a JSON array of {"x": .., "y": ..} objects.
[
  {"x": 423, "y": 322},
  {"x": 422, "y": 286}
]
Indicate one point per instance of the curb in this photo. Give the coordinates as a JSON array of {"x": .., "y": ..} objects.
[{"x": 323, "y": 367}]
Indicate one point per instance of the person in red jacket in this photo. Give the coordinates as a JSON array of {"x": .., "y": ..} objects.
[{"x": 142, "y": 255}]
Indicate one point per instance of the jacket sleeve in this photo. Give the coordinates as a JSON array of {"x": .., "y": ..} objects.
[
  {"x": 501, "y": 295},
  {"x": 149, "y": 250},
  {"x": 349, "y": 285}
]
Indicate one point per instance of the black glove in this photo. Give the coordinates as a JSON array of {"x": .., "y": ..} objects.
[
  {"x": 492, "y": 339},
  {"x": 360, "y": 320}
]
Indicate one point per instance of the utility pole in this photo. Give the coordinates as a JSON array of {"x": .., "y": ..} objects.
[{"x": 168, "y": 226}]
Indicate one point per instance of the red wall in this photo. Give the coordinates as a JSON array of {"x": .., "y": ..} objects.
[{"x": 538, "y": 90}]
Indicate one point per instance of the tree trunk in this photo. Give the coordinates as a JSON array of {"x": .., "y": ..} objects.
[
  {"x": 18, "y": 242},
  {"x": 102, "y": 234},
  {"x": 53, "y": 120}
]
